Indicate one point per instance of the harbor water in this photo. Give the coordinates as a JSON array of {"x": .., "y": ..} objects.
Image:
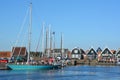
[{"x": 66, "y": 73}]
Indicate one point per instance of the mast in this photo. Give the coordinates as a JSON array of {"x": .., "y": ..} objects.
[
  {"x": 50, "y": 42},
  {"x": 46, "y": 42},
  {"x": 43, "y": 39},
  {"x": 61, "y": 45},
  {"x": 48, "y": 54},
  {"x": 29, "y": 34},
  {"x": 53, "y": 44}
]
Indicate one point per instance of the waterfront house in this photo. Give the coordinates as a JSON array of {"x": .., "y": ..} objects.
[
  {"x": 75, "y": 54},
  {"x": 19, "y": 53},
  {"x": 57, "y": 52},
  {"x": 60, "y": 52},
  {"x": 118, "y": 56},
  {"x": 107, "y": 55},
  {"x": 92, "y": 54},
  {"x": 83, "y": 54},
  {"x": 5, "y": 54}
]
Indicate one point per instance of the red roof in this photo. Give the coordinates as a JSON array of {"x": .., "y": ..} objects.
[
  {"x": 113, "y": 51},
  {"x": 19, "y": 51},
  {"x": 5, "y": 54}
]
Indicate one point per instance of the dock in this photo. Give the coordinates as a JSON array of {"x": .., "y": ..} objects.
[
  {"x": 3, "y": 66},
  {"x": 91, "y": 62}
]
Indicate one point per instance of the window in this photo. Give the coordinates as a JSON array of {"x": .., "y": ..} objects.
[
  {"x": 92, "y": 52},
  {"x": 75, "y": 51},
  {"x": 73, "y": 56}
]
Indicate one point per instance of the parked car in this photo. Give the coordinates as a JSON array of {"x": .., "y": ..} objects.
[{"x": 3, "y": 60}]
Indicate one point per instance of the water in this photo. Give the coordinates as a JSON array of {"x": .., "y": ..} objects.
[{"x": 67, "y": 73}]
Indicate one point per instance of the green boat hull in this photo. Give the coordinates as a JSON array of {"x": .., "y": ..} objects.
[{"x": 31, "y": 67}]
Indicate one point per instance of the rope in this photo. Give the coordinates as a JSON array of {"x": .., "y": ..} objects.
[
  {"x": 21, "y": 29},
  {"x": 21, "y": 46}
]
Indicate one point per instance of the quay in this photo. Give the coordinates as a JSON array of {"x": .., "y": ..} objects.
[
  {"x": 92, "y": 62},
  {"x": 3, "y": 66},
  {"x": 73, "y": 62}
]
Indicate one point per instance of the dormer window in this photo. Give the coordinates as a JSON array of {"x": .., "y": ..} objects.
[
  {"x": 75, "y": 51},
  {"x": 107, "y": 52},
  {"x": 92, "y": 52}
]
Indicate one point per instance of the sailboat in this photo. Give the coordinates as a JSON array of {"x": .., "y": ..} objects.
[{"x": 27, "y": 65}]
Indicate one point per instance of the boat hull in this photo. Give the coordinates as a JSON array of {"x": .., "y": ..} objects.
[{"x": 30, "y": 67}]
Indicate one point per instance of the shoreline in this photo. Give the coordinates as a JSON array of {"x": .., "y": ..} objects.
[{"x": 3, "y": 66}]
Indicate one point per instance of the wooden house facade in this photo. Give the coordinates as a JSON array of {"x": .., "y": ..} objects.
[{"x": 107, "y": 55}]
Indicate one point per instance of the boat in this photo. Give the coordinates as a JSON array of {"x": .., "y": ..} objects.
[
  {"x": 31, "y": 67},
  {"x": 27, "y": 65}
]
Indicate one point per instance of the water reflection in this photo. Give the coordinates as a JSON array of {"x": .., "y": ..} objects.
[{"x": 71, "y": 72}]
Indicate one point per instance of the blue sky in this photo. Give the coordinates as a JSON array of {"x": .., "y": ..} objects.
[{"x": 84, "y": 23}]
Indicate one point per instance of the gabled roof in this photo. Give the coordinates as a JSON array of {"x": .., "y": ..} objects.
[
  {"x": 75, "y": 51},
  {"x": 118, "y": 52},
  {"x": 103, "y": 52},
  {"x": 82, "y": 51},
  {"x": 113, "y": 51},
  {"x": 99, "y": 50},
  {"x": 19, "y": 51},
  {"x": 91, "y": 51}
]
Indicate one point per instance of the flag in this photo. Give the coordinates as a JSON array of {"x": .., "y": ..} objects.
[{"x": 53, "y": 33}]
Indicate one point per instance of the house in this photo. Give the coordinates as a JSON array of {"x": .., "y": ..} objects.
[
  {"x": 107, "y": 55},
  {"x": 118, "y": 55},
  {"x": 19, "y": 54},
  {"x": 5, "y": 54},
  {"x": 75, "y": 54},
  {"x": 92, "y": 54},
  {"x": 83, "y": 54},
  {"x": 57, "y": 52},
  {"x": 78, "y": 54}
]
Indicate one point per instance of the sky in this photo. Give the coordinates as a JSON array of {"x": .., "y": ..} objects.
[{"x": 83, "y": 23}]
